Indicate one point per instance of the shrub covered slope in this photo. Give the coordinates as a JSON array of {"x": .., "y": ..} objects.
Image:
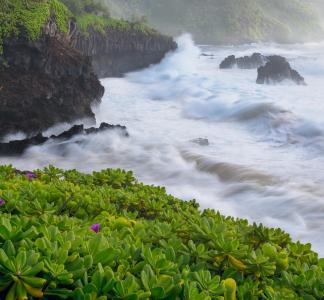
[
  {"x": 27, "y": 17},
  {"x": 228, "y": 21},
  {"x": 68, "y": 235}
]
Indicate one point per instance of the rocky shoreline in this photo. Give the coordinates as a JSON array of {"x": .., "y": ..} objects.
[
  {"x": 18, "y": 147},
  {"x": 55, "y": 78}
]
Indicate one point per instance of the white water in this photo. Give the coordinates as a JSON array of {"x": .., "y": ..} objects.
[{"x": 265, "y": 158}]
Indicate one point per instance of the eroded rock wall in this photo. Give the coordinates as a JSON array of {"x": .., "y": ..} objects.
[{"x": 118, "y": 51}]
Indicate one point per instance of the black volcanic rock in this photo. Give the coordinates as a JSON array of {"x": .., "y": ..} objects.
[
  {"x": 43, "y": 83},
  {"x": 251, "y": 62},
  {"x": 246, "y": 62},
  {"x": 18, "y": 147},
  {"x": 118, "y": 51},
  {"x": 276, "y": 70},
  {"x": 228, "y": 63}
]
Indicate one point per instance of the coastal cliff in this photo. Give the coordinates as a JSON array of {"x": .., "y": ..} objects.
[
  {"x": 44, "y": 82},
  {"x": 117, "y": 51},
  {"x": 49, "y": 63}
]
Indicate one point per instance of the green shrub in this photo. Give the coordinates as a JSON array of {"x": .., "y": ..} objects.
[
  {"x": 79, "y": 7},
  {"x": 69, "y": 235},
  {"x": 101, "y": 23},
  {"x": 18, "y": 16}
]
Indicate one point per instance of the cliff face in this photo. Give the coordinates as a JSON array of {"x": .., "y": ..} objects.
[
  {"x": 54, "y": 79},
  {"x": 44, "y": 83},
  {"x": 118, "y": 51}
]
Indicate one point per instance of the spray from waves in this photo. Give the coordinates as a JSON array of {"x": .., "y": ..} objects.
[
  {"x": 230, "y": 96},
  {"x": 170, "y": 79},
  {"x": 183, "y": 61},
  {"x": 265, "y": 119},
  {"x": 236, "y": 190}
]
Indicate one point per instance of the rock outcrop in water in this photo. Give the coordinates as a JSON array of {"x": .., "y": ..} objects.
[
  {"x": 276, "y": 70},
  {"x": 44, "y": 82},
  {"x": 271, "y": 69},
  {"x": 17, "y": 147},
  {"x": 246, "y": 62},
  {"x": 117, "y": 51}
]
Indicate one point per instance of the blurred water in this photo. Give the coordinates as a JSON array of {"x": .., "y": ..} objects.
[{"x": 264, "y": 160}]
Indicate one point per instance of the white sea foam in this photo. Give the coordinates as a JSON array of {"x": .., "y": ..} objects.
[{"x": 265, "y": 157}]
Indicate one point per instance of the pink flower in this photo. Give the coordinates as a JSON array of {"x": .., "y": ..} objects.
[
  {"x": 95, "y": 227},
  {"x": 2, "y": 202},
  {"x": 30, "y": 175}
]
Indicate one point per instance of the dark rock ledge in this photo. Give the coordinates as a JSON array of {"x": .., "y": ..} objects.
[{"x": 17, "y": 147}]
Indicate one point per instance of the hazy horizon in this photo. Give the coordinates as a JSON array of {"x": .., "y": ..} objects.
[{"x": 225, "y": 22}]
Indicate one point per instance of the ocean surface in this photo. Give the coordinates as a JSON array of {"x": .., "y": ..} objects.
[{"x": 265, "y": 155}]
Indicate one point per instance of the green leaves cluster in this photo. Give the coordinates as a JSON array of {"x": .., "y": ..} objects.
[
  {"x": 150, "y": 245},
  {"x": 101, "y": 23},
  {"x": 29, "y": 16},
  {"x": 79, "y": 7}
]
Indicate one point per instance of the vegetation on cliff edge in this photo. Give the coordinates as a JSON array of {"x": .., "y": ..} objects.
[
  {"x": 28, "y": 17},
  {"x": 68, "y": 235}
]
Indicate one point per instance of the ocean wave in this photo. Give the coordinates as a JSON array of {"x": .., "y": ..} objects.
[
  {"x": 206, "y": 93},
  {"x": 229, "y": 172}
]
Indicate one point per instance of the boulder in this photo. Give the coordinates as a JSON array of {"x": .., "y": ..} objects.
[
  {"x": 246, "y": 62},
  {"x": 276, "y": 70},
  {"x": 201, "y": 141},
  {"x": 228, "y": 63}
]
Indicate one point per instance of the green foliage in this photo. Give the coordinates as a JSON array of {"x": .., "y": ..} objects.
[
  {"x": 227, "y": 21},
  {"x": 150, "y": 245},
  {"x": 100, "y": 24},
  {"x": 29, "y": 16},
  {"x": 93, "y": 14},
  {"x": 79, "y": 7}
]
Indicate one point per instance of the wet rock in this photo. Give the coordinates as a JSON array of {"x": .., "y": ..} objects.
[
  {"x": 105, "y": 126},
  {"x": 246, "y": 62},
  {"x": 14, "y": 148},
  {"x": 201, "y": 141},
  {"x": 19, "y": 146},
  {"x": 276, "y": 70},
  {"x": 251, "y": 62},
  {"x": 228, "y": 63}
]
